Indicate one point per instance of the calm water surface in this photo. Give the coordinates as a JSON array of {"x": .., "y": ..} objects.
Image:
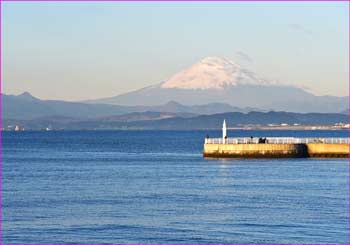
[{"x": 155, "y": 187}]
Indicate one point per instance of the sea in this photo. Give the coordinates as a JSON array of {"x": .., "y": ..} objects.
[{"x": 155, "y": 187}]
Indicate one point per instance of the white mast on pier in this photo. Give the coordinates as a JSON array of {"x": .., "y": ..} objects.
[{"x": 224, "y": 132}]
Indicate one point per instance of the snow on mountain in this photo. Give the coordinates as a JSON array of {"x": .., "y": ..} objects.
[
  {"x": 212, "y": 73},
  {"x": 218, "y": 80}
]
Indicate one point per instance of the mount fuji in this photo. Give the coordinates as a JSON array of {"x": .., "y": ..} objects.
[{"x": 218, "y": 80}]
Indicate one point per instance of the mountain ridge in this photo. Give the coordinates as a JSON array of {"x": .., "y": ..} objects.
[
  {"x": 155, "y": 122},
  {"x": 218, "y": 80},
  {"x": 27, "y": 106}
]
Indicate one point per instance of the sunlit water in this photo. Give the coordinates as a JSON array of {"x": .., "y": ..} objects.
[{"x": 155, "y": 187}]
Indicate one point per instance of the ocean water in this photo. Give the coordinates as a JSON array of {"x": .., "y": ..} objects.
[{"x": 155, "y": 187}]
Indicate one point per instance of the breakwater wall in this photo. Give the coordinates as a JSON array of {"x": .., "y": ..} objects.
[
  {"x": 328, "y": 150},
  {"x": 276, "y": 150}
]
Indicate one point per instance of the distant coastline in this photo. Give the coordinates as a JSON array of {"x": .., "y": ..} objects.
[
  {"x": 158, "y": 121},
  {"x": 306, "y": 127},
  {"x": 247, "y": 128},
  {"x": 29, "y": 113}
]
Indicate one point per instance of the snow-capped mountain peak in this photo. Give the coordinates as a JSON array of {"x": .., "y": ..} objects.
[
  {"x": 212, "y": 73},
  {"x": 218, "y": 80}
]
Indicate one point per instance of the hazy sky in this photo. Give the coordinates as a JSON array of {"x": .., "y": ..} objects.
[{"x": 76, "y": 51}]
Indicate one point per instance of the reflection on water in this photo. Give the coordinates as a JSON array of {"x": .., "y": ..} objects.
[{"x": 124, "y": 187}]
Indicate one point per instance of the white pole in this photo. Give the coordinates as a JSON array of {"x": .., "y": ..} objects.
[{"x": 224, "y": 132}]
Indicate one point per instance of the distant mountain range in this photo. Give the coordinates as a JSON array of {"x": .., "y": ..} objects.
[
  {"x": 218, "y": 80},
  {"x": 26, "y": 106},
  {"x": 170, "y": 121},
  {"x": 208, "y": 90},
  {"x": 32, "y": 113},
  {"x": 238, "y": 119}
]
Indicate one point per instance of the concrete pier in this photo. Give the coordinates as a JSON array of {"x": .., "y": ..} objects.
[
  {"x": 275, "y": 148},
  {"x": 328, "y": 150},
  {"x": 255, "y": 150}
]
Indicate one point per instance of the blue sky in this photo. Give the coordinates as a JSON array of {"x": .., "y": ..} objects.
[{"x": 76, "y": 51}]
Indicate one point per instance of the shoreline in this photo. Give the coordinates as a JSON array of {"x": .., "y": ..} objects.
[{"x": 304, "y": 128}]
